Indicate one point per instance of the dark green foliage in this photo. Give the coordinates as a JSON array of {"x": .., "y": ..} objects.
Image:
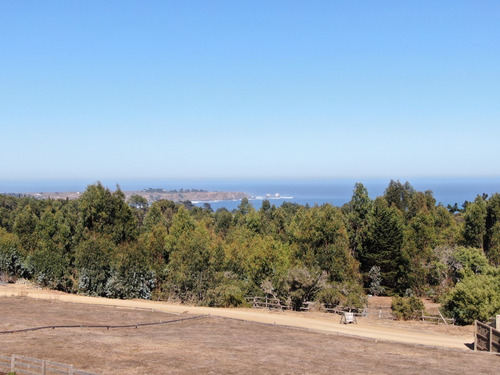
[
  {"x": 383, "y": 245},
  {"x": 401, "y": 243},
  {"x": 420, "y": 241},
  {"x": 357, "y": 212},
  {"x": 407, "y": 308}
]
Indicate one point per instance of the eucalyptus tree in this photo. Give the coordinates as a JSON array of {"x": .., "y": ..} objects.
[
  {"x": 399, "y": 194},
  {"x": 474, "y": 229},
  {"x": 104, "y": 212},
  {"x": 192, "y": 258}
]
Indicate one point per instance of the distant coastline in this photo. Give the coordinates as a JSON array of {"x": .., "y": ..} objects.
[
  {"x": 156, "y": 195},
  {"x": 227, "y": 194}
]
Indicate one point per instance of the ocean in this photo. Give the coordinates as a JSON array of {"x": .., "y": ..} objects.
[
  {"x": 312, "y": 192},
  {"x": 338, "y": 192}
]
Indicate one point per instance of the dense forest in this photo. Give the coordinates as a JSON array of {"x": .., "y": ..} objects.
[{"x": 401, "y": 243}]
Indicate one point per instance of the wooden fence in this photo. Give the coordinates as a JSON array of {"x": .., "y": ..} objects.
[
  {"x": 267, "y": 303},
  {"x": 437, "y": 319},
  {"x": 31, "y": 366},
  {"x": 276, "y": 304},
  {"x": 486, "y": 337},
  {"x": 380, "y": 312}
]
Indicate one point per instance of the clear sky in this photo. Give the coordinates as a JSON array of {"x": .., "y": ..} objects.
[{"x": 249, "y": 89}]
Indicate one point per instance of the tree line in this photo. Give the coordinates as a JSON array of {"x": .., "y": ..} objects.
[{"x": 401, "y": 243}]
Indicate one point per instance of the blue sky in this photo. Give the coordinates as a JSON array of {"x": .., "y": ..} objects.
[{"x": 259, "y": 89}]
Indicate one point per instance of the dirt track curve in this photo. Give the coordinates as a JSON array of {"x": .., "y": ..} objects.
[{"x": 326, "y": 323}]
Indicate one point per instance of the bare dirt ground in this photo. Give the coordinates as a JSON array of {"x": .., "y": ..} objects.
[{"x": 215, "y": 345}]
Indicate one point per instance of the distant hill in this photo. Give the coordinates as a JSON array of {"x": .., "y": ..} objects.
[{"x": 193, "y": 195}]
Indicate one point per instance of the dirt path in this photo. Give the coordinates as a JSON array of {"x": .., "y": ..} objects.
[{"x": 326, "y": 323}]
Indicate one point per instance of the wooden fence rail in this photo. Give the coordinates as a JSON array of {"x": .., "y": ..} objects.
[
  {"x": 22, "y": 365},
  {"x": 276, "y": 304},
  {"x": 380, "y": 314},
  {"x": 486, "y": 337},
  {"x": 437, "y": 319},
  {"x": 267, "y": 303}
]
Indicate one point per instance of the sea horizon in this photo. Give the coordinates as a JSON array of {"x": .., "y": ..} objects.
[{"x": 446, "y": 190}]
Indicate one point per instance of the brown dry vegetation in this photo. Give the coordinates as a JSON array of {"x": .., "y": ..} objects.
[{"x": 210, "y": 345}]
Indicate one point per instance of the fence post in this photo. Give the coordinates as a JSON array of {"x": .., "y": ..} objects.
[
  {"x": 497, "y": 323},
  {"x": 490, "y": 339},
  {"x": 13, "y": 363},
  {"x": 475, "y": 334},
  {"x": 43, "y": 367},
  {"x": 70, "y": 370}
]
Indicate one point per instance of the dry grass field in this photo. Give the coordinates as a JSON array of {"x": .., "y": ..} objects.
[{"x": 210, "y": 345}]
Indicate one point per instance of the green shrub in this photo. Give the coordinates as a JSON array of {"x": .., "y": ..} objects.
[
  {"x": 476, "y": 297},
  {"x": 468, "y": 261},
  {"x": 225, "y": 295},
  {"x": 407, "y": 308},
  {"x": 330, "y": 297}
]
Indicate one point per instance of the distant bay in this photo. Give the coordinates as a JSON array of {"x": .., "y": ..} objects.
[{"x": 332, "y": 191}]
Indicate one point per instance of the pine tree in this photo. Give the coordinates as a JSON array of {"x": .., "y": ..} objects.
[{"x": 383, "y": 245}]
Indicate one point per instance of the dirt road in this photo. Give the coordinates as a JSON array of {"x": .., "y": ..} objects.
[{"x": 327, "y": 323}]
